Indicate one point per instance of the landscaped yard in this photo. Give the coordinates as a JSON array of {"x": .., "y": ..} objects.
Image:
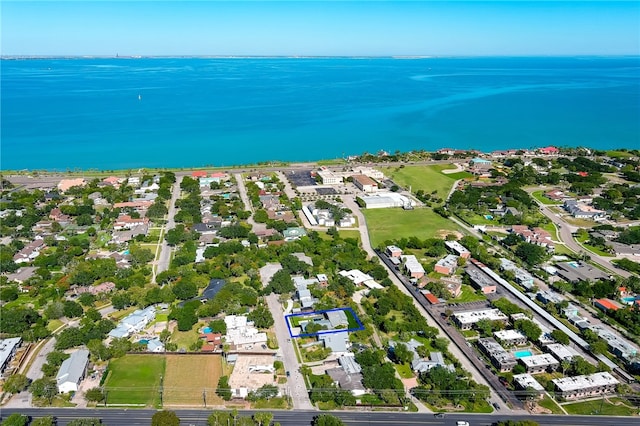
[
  {"x": 604, "y": 407},
  {"x": 135, "y": 379},
  {"x": 550, "y": 404},
  {"x": 539, "y": 195},
  {"x": 404, "y": 370},
  {"x": 188, "y": 377},
  {"x": 184, "y": 339},
  {"x": 468, "y": 295},
  {"x": 53, "y": 325},
  {"x": 393, "y": 224},
  {"x": 427, "y": 178}
]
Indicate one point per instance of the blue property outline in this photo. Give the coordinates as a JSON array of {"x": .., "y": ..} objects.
[{"x": 342, "y": 330}]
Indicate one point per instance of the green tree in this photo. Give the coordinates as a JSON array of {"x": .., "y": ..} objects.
[
  {"x": 261, "y": 316},
  {"x": 72, "y": 309},
  {"x": 95, "y": 395},
  {"x": 560, "y": 337},
  {"x": 263, "y": 418},
  {"x": 327, "y": 420},
  {"x": 165, "y": 418},
  {"x": 280, "y": 283},
  {"x": 224, "y": 390},
  {"x": 531, "y": 253},
  {"x": 16, "y": 419},
  {"x": 44, "y": 421},
  {"x": 529, "y": 328},
  {"x": 15, "y": 383},
  {"x": 402, "y": 354},
  {"x": 44, "y": 388}
]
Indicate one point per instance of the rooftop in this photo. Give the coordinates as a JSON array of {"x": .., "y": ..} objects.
[{"x": 567, "y": 384}]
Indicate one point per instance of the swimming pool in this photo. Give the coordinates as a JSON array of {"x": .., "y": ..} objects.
[
  {"x": 522, "y": 354},
  {"x": 143, "y": 341},
  {"x": 573, "y": 264},
  {"x": 630, "y": 300},
  {"x": 206, "y": 330}
]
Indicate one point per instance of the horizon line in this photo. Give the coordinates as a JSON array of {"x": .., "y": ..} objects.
[{"x": 168, "y": 56}]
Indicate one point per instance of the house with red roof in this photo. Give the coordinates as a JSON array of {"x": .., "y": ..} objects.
[
  {"x": 606, "y": 305},
  {"x": 431, "y": 298},
  {"x": 199, "y": 174},
  {"x": 550, "y": 150}
]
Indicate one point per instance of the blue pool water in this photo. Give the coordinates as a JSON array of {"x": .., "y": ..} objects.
[
  {"x": 630, "y": 299},
  {"x": 522, "y": 354},
  {"x": 488, "y": 217},
  {"x": 125, "y": 253},
  {"x": 573, "y": 264},
  {"x": 206, "y": 330},
  {"x": 143, "y": 341}
]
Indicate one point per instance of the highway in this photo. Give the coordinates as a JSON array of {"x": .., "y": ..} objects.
[{"x": 134, "y": 417}]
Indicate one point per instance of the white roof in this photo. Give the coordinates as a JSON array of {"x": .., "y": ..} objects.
[
  {"x": 471, "y": 317},
  {"x": 527, "y": 381},
  {"x": 509, "y": 335},
  {"x": 567, "y": 384},
  {"x": 412, "y": 264},
  {"x": 6, "y": 349},
  {"x": 538, "y": 360}
]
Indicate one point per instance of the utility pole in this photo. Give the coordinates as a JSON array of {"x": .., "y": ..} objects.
[{"x": 204, "y": 397}]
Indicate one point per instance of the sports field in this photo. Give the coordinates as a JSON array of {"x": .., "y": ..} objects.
[
  {"x": 427, "y": 178},
  {"x": 189, "y": 379},
  {"x": 393, "y": 224},
  {"x": 135, "y": 379}
]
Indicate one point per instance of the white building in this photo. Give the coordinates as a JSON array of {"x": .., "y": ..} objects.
[
  {"x": 465, "y": 320},
  {"x": 510, "y": 337},
  {"x": 8, "y": 349},
  {"x": 585, "y": 386},
  {"x": 539, "y": 363},
  {"x": 72, "y": 371},
  {"x": 242, "y": 333},
  {"x": 134, "y": 322}
]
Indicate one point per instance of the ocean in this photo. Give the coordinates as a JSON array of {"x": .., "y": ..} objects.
[{"x": 126, "y": 113}]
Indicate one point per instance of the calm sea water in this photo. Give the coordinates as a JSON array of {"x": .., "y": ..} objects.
[{"x": 160, "y": 112}]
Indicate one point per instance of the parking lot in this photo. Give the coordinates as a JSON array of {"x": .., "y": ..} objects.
[{"x": 300, "y": 178}]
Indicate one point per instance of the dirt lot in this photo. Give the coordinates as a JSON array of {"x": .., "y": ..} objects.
[
  {"x": 242, "y": 378},
  {"x": 187, "y": 377}
]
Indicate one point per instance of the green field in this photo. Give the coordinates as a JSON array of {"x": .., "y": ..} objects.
[
  {"x": 135, "y": 379},
  {"x": 619, "y": 154},
  {"x": 427, "y": 178},
  {"x": 393, "y": 224},
  {"x": 539, "y": 195},
  {"x": 604, "y": 407}
]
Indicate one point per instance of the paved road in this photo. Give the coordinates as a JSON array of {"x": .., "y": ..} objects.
[
  {"x": 121, "y": 417},
  {"x": 349, "y": 201},
  {"x": 297, "y": 387},
  {"x": 165, "y": 251},
  {"x": 242, "y": 190}
]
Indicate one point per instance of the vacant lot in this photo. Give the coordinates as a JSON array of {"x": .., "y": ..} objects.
[
  {"x": 393, "y": 224},
  {"x": 191, "y": 378},
  {"x": 427, "y": 178},
  {"x": 135, "y": 379}
]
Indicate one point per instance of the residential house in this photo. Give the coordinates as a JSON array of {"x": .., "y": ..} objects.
[
  {"x": 526, "y": 382},
  {"x": 155, "y": 346},
  {"x": 581, "y": 210},
  {"x": 30, "y": 251},
  {"x": 393, "y": 251},
  {"x": 453, "y": 284},
  {"x": 549, "y": 150},
  {"x": 480, "y": 280},
  {"x": 360, "y": 278},
  {"x": 242, "y": 333},
  {"x": 562, "y": 352},
  {"x": 134, "y": 322},
  {"x": 349, "y": 375},
  {"x": 127, "y": 222},
  {"x": 606, "y": 305},
  {"x": 337, "y": 342},
  {"x": 72, "y": 371}
]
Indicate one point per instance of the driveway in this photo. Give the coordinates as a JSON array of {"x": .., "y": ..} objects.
[
  {"x": 165, "y": 251},
  {"x": 296, "y": 385}
]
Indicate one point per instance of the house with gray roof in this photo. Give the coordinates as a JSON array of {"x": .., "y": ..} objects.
[{"x": 72, "y": 371}]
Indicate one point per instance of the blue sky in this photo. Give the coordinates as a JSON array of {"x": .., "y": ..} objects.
[{"x": 445, "y": 28}]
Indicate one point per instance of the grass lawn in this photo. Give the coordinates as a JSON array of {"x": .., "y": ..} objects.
[
  {"x": 393, "y": 224},
  {"x": 562, "y": 249},
  {"x": 596, "y": 250},
  {"x": 404, "y": 370},
  {"x": 550, "y": 404},
  {"x": 188, "y": 376},
  {"x": 619, "y": 154},
  {"x": 427, "y": 178},
  {"x": 468, "y": 295},
  {"x": 273, "y": 403},
  {"x": 601, "y": 407},
  {"x": 53, "y": 325},
  {"x": 477, "y": 219},
  {"x": 349, "y": 233},
  {"x": 118, "y": 315},
  {"x": 135, "y": 379},
  {"x": 184, "y": 339},
  {"x": 539, "y": 195}
]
